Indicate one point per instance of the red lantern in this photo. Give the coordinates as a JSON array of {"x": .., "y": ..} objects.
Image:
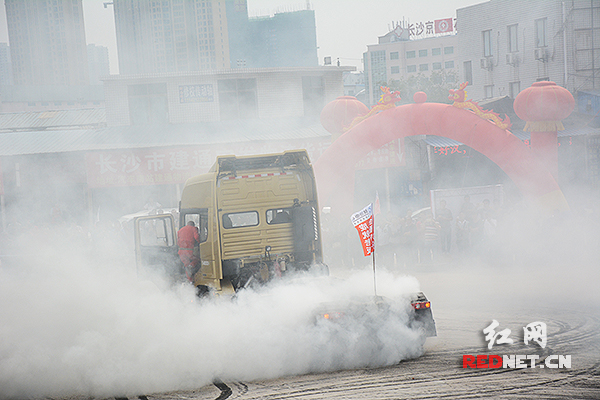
[
  {"x": 340, "y": 113},
  {"x": 420, "y": 97},
  {"x": 543, "y": 106}
]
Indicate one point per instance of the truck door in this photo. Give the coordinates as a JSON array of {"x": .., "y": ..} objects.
[
  {"x": 156, "y": 245},
  {"x": 207, "y": 230}
]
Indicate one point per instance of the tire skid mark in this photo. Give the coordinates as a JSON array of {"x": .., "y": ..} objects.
[
  {"x": 242, "y": 388},
  {"x": 226, "y": 391},
  {"x": 332, "y": 388},
  {"x": 438, "y": 374}
]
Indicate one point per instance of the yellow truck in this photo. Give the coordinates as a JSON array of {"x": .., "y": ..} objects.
[{"x": 257, "y": 218}]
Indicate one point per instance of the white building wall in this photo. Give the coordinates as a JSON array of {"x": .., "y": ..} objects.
[
  {"x": 525, "y": 69},
  {"x": 117, "y": 105},
  {"x": 399, "y": 64},
  {"x": 279, "y": 93},
  {"x": 333, "y": 85},
  {"x": 448, "y": 54},
  {"x": 180, "y": 113}
]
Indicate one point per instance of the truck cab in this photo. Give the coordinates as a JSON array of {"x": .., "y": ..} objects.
[{"x": 257, "y": 219}]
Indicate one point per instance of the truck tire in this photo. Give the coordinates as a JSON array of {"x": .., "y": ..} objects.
[{"x": 202, "y": 291}]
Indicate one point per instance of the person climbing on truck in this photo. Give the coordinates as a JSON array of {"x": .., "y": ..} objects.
[{"x": 187, "y": 238}]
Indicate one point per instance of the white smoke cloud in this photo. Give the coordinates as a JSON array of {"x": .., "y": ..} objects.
[{"x": 79, "y": 324}]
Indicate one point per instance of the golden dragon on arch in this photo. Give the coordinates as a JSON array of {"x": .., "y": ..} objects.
[
  {"x": 387, "y": 100},
  {"x": 460, "y": 100}
]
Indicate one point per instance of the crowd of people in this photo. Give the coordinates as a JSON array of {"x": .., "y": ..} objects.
[{"x": 419, "y": 237}]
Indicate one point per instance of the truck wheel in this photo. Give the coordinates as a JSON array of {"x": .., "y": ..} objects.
[
  {"x": 320, "y": 269},
  {"x": 202, "y": 291}
]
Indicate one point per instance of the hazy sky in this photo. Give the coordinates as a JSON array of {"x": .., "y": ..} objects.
[{"x": 344, "y": 27}]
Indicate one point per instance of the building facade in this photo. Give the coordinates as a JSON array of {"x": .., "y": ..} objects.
[
  {"x": 98, "y": 63},
  {"x": 6, "y": 77},
  {"x": 47, "y": 42},
  {"x": 171, "y": 36},
  {"x": 506, "y": 45},
  {"x": 176, "y": 36},
  {"x": 397, "y": 58},
  {"x": 354, "y": 84},
  {"x": 284, "y": 40},
  {"x": 16, "y": 98},
  {"x": 223, "y": 95},
  {"x": 157, "y": 131}
]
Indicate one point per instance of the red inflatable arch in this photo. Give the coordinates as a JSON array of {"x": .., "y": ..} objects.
[{"x": 334, "y": 170}]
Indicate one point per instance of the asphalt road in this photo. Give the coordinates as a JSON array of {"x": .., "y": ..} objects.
[
  {"x": 466, "y": 296},
  {"x": 465, "y": 301}
]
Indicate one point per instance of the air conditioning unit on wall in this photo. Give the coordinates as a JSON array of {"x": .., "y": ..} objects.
[
  {"x": 512, "y": 59},
  {"x": 486, "y": 63},
  {"x": 541, "y": 54}
]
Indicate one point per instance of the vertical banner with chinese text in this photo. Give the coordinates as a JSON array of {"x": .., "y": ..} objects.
[{"x": 364, "y": 221}]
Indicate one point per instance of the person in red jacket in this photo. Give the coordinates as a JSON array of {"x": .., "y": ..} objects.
[{"x": 187, "y": 237}]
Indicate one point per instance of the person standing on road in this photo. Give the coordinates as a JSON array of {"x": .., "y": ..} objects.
[
  {"x": 468, "y": 208},
  {"x": 430, "y": 238},
  {"x": 409, "y": 239},
  {"x": 187, "y": 237}
]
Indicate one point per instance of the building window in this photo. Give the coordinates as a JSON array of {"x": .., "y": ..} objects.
[
  {"x": 540, "y": 32},
  {"x": 411, "y": 54},
  {"x": 468, "y": 68},
  {"x": 488, "y": 91},
  {"x": 378, "y": 73},
  {"x": 436, "y": 51},
  {"x": 411, "y": 68},
  {"x": 513, "y": 43},
  {"x": 513, "y": 89},
  {"x": 449, "y": 64},
  {"x": 449, "y": 50},
  {"x": 487, "y": 43},
  {"x": 436, "y": 66},
  {"x": 237, "y": 98},
  {"x": 423, "y": 53},
  {"x": 395, "y": 69},
  {"x": 394, "y": 55},
  {"x": 423, "y": 67}
]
